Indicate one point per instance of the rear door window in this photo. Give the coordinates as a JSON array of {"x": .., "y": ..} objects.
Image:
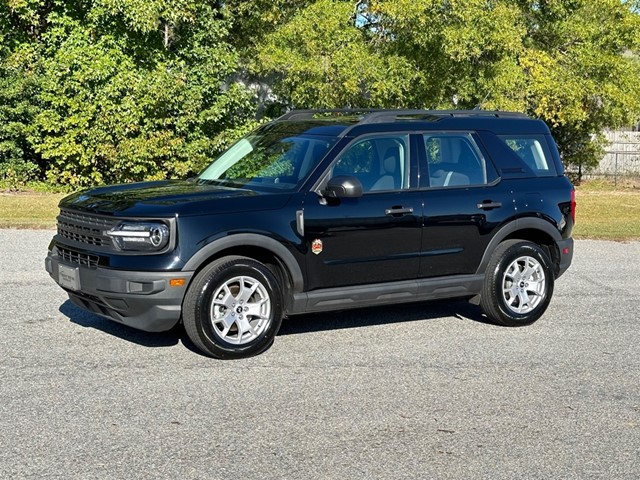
[
  {"x": 533, "y": 151},
  {"x": 454, "y": 160}
]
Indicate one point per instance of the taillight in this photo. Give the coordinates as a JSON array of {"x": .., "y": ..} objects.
[{"x": 573, "y": 205}]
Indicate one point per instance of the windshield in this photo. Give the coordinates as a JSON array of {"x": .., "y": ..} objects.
[{"x": 269, "y": 159}]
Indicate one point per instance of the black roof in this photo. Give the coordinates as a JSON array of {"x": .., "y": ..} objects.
[{"x": 359, "y": 121}]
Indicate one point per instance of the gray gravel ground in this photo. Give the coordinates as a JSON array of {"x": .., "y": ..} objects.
[{"x": 420, "y": 391}]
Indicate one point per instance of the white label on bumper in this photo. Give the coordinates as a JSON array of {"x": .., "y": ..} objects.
[{"x": 69, "y": 277}]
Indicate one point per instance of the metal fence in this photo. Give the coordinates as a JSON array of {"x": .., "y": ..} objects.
[{"x": 622, "y": 157}]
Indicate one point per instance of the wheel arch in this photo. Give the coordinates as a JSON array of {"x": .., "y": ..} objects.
[
  {"x": 258, "y": 247},
  {"x": 535, "y": 230}
]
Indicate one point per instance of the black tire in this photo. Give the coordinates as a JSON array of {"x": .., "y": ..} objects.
[
  {"x": 233, "y": 308},
  {"x": 518, "y": 284}
]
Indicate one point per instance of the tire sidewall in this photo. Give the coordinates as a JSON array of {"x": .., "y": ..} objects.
[
  {"x": 510, "y": 255},
  {"x": 217, "y": 345}
]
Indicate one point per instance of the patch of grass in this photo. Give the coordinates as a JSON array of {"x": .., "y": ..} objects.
[
  {"x": 606, "y": 212},
  {"x": 603, "y": 211},
  {"x": 29, "y": 209}
]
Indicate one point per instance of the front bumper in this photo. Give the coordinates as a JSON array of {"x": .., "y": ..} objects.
[{"x": 142, "y": 300}]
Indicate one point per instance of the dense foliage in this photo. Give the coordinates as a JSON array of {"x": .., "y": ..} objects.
[
  {"x": 95, "y": 91},
  {"x": 116, "y": 90},
  {"x": 572, "y": 63}
]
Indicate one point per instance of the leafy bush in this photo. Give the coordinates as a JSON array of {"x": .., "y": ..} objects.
[
  {"x": 120, "y": 91},
  {"x": 16, "y": 174},
  {"x": 103, "y": 91}
]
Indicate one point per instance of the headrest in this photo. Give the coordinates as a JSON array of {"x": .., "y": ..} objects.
[{"x": 390, "y": 162}]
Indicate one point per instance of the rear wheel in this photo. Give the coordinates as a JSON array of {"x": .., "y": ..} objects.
[
  {"x": 233, "y": 308},
  {"x": 518, "y": 284}
]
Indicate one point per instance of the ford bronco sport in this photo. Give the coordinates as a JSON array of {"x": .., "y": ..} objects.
[{"x": 327, "y": 210}]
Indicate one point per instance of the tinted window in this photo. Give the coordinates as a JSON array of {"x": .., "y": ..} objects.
[
  {"x": 533, "y": 150},
  {"x": 268, "y": 159},
  {"x": 454, "y": 160},
  {"x": 380, "y": 163}
]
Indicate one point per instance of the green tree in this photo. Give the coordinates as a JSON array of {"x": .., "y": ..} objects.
[
  {"x": 581, "y": 74},
  {"x": 118, "y": 90},
  {"x": 322, "y": 59},
  {"x": 18, "y": 160},
  {"x": 569, "y": 62},
  {"x": 122, "y": 90},
  {"x": 253, "y": 19}
]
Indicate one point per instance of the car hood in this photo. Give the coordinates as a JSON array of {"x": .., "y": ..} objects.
[{"x": 170, "y": 198}]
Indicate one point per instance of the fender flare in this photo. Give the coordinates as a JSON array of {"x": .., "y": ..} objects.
[
  {"x": 530, "y": 223},
  {"x": 253, "y": 240}
]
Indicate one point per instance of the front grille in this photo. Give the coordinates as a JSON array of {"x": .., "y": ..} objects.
[
  {"x": 78, "y": 258},
  {"x": 84, "y": 228}
]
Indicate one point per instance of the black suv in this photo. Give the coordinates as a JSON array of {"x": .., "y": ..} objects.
[{"x": 327, "y": 210}]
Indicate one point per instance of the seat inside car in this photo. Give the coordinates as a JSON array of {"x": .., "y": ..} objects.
[{"x": 390, "y": 170}]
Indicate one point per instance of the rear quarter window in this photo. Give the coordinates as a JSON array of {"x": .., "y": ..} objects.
[{"x": 533, "y": 151}]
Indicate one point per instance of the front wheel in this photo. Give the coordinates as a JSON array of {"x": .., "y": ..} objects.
[
  {"x": 233, "y": 308},
  {"x": 518, "y": 284}
]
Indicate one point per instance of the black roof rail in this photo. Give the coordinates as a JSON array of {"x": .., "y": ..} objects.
[
  {"x": 392, "y": 115},
  {"x": 316, "y": 114},
  {"x": 382, "y": 116}
]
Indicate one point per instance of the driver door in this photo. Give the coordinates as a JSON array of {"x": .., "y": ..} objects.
[{"x": 372, "y": 238}]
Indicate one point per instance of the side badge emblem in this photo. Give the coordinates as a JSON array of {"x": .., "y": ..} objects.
[{"x": 316, "y": 246}]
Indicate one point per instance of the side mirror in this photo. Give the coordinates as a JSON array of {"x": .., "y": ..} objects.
[{"x": 343, "y": 186}]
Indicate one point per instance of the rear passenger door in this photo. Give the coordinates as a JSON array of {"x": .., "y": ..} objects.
[{"x": 464, "y": 202}]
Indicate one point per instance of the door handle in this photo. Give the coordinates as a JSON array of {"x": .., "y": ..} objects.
[
  {"x": 486, "y": 205},
  {"x": 398, "y": 211}
]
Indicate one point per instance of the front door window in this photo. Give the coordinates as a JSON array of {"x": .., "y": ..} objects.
[
  {"x": 380, "y": 163},
  {"x": 373, "y": 238}
]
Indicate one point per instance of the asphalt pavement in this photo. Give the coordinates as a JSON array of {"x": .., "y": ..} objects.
[{"x": 407, "y": 392}]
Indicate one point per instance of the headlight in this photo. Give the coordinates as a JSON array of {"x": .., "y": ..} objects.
[{"x": 140, "y": 236}]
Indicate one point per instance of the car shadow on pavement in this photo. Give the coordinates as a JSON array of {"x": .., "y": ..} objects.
[
  {"x": 365, "y": 317},
  {"x": 147, "y": 339},
  {"x": 299, "y": 324}
]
